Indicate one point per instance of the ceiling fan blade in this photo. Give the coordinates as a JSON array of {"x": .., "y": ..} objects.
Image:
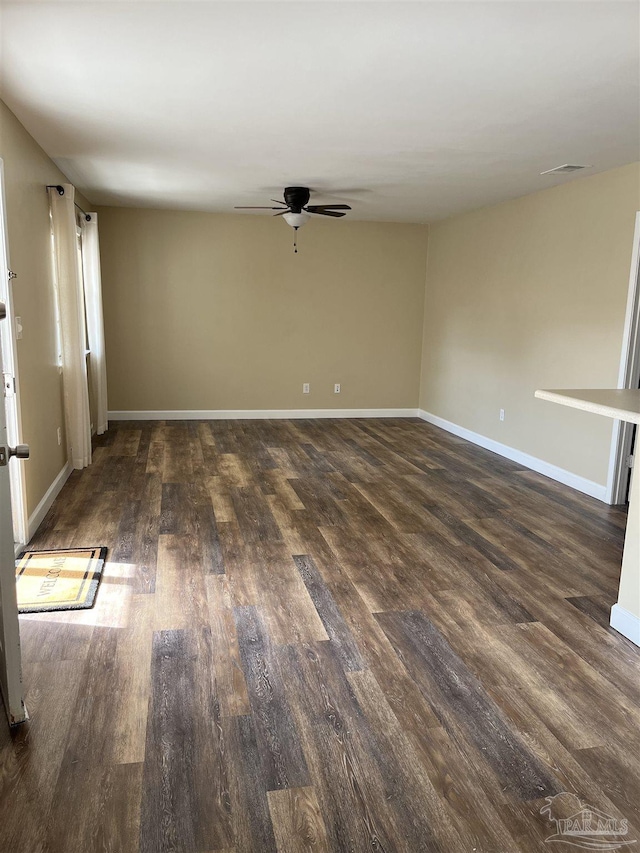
[
  {"x": 317, "y": 207},
  {"x": 325, "y": 212},
  {"x": 280, "y": 212},
  {"x": 250, "y": 207},
  {"x": 278, "y": 202}
]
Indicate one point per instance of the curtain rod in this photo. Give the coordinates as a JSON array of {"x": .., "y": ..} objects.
[{"x": 60, "y": 190}]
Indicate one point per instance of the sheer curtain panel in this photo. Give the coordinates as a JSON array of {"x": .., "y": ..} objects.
[
  {"x": 95, "y": 323},
  {"x": 72, "y": 325}
]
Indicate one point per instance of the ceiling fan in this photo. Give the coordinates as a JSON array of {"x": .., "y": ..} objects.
[{"x": 296, "y": 209}]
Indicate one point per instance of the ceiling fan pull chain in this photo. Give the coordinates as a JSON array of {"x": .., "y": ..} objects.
[{"x": 295, "y": 241}]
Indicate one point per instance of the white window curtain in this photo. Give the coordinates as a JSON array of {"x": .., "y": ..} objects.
[
  {"x": 95, "y": 322},
  {"x": 72, "y": 325}
]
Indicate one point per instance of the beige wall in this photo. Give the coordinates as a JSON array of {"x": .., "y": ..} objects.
[
  {"x": 214, "y": 311},
  {"x": 27, "y": 170},
  {"x": 531, "y": 294}
]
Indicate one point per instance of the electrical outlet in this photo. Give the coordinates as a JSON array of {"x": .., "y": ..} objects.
[
  {"x": 18, "y": 328},
  {"x": 59, "y": 435},
  {"x": 336, "y": 388},
  {"x": 305, "y": 387},
  {"x": 501, "y": 414}
]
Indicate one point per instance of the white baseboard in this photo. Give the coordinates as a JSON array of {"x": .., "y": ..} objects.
[
  {"x": 625, "y": 623},
  {"x": 36, "y": 517},
  {"x": 581, "y": 484},
  {"x": 258, "y": 414}
]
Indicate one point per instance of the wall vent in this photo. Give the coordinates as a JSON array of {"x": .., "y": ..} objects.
[{"x": 568, "y": 167}]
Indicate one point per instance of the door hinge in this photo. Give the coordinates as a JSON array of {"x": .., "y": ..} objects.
[
  {"x": 630, "y": 461},
  {"x": 3, "y": 456},
  {"x": 11, "y": 275},
  {"x": 8, "y": 384}
]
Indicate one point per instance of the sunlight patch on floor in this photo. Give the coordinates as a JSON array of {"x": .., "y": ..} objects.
[{"x": 113, "y": 602}]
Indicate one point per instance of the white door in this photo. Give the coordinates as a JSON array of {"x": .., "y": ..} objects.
[
  {"x": 10, "y": 663},
  {"x": 10, "y": 381}
]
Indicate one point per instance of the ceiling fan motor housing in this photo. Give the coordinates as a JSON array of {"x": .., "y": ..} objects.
[{"x": 296, "y": 198}]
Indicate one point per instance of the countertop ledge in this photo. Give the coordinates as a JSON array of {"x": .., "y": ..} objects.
[{"x": 621, "y": 404}]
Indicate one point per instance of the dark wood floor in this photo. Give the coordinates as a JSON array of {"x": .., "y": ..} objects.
[{"x": 359, "y": 635}]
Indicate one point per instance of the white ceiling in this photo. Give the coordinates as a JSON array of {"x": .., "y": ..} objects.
[{"x": 409, "y": 111}]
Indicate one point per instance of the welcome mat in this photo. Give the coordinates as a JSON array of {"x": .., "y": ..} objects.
[{"x": 64, "y": 579}]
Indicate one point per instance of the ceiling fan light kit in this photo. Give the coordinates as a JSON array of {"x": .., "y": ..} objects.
[
  {"x": 296, "y": 220},
  {"x": 296, "y": 210}
]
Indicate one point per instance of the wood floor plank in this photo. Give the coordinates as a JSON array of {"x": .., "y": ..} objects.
[
  {"x": 409, "y": 577},
  {"x": 231, "y": 687},
  {"x": 473, "y": 811},
  {"x": 317, "y": 498},
  {"x": 206, "y": 530},
  {"x": 468, "y": 536},
  {"x": 339, "y": 734},
  {"x": 31, "y": 756},
  {"x": 596, "y": 607},
  {"x": 401, "y": 691},
  {"x": 502, "y": 657},
  {"x": 176, "y": 511},
  {"x": 604, "y": 649},
  {"x": 612, "y": 769},
  {"x": 223, "y": 510},
  {"x": 72, "y": 640},
  {"x": 155, "y": 457},
  {"x": 340, "y": 635},
  {"x": 287, "y": 606},
  {"x": 283, "y": 762},
  {"x": 132, "y": 683},
  {"x": 401, "y": 758},
  {"x": 101, "y": 808},
  {"x": 177, "y": 464},
  {"x": 115, "y": 473},
  {"x": 181, "y": 597},
  {"x": 462, "y": 700},
  {"x": 588, "y": 693},
  {"x": 344, "y": 775},
  {"x": 535, "y": 552},
  {"x": 297, "y": 821},
  {"x": 186, "y": 802},
  {"x": 144, "y": 551},
  {"x": 255, "y": 520},
  {"x": 570, "y": 772},
  {"x": 126, "y": 442},
  {"x": 91, "y": 737},
  {"x": 250, "y": 817},
  {"x": 137, "y": 536},
  {"x": 464, "y": 573},
  {"x": 333, "y": 621},
  {"x": 234, "y": 471}
]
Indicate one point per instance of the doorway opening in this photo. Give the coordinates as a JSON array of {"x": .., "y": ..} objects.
[{"x": 624, "y": 442}]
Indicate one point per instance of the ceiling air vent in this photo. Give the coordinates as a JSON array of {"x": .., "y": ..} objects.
[{"x": 568, "y": 167}]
